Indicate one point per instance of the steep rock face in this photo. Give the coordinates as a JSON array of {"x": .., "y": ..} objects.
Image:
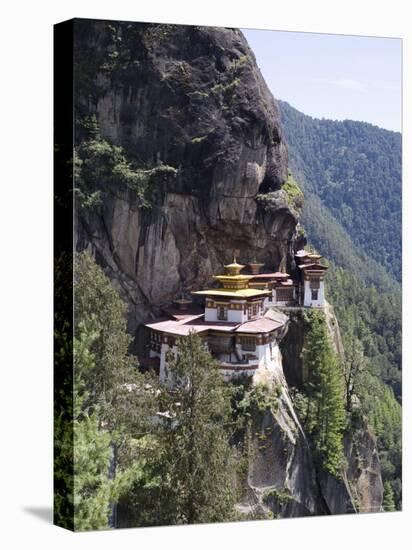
[
  {"x": 364, "y": 470},
  {"x": 361, "y": 485},
  {"x": 280, "y": 480},
  {"x": 192, "y": 99}
]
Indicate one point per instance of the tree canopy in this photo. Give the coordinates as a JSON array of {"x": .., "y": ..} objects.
[{"x": 354, "y": 169}]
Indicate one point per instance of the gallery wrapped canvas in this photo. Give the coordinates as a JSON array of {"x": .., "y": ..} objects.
[{"x": 227, "y": 283}]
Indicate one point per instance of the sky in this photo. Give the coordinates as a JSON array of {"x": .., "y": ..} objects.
[{"x": 333, "y": 76}]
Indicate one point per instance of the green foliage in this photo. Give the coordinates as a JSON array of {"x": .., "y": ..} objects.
[
  {"x": 335, "y": 243},
  {"x": 282, "y": 497},
  {"x": 63, "y": 435},
  {"x": 91, "y": 447},
  {"x": 370, "y": 323},
  {"x": 238, "y": 62},
  {"x": 224, "y": 88},
  {"x": 374, "y": 319},
  {"x": 366, "y": 299},
  {"x": 100, "y": 166},
  {"x": 258, "y": 398},
  {"x": 196, "y": 451},
  {"x": 96, "y": 489},
  {"x": 190, "y": 467},
  {"x": 385, "y": 415},
  {"x": 324, "y": 419},
  {"x": 123, "y": 47},
  {"x": 114, "y": 383},
  {"x": 294, "y": 194},
  {"x": 388, "y": 499},
  {"x": 104, "y": 408},
  {"x": 354, "y": 171}
]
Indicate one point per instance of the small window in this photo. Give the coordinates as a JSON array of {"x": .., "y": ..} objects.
[
  {"x": 248, "y": 343},
  {"x": 222, "y": 313},
  {"x": 314, "y": 294}
]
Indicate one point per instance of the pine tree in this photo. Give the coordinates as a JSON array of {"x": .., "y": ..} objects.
[
  {"x": 353, "y": 366},
  {"x": 114, "y": 382},
  {"x": 196, "y": 455},
  {"x": 388, "y": 498},
  {"x": 63, "y": 436},
  {"x": 104, "y": 406},
  {"x": 96, "y": 488},
  {"x": 325, "y": 415}
]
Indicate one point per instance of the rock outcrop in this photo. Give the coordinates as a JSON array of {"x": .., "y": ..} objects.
[
  {"x": 360, "y": 487},
  {"x": 194, "y": 100},
  {"x": 281, "y": 477}
]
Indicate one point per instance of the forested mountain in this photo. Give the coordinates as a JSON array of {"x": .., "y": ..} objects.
[
  {"x": 180, "y": 160},
  {"x": 351, "y": 175}
]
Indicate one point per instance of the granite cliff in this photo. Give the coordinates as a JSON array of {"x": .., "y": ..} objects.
[
  {"x": 200, "y": 171},
  {"x": 189, "y": 106}
]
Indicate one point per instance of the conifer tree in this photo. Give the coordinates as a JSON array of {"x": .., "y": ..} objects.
[
  {"x": 107, "y": 406},
  {"x": 196, "y": 455},
  {"x": 114, "y": 382},
  {"x": 325, "y": 415},
  {"x": 97, "y": 486},
  {"x": 388, "y": 498},
  {"x": 92, "y": 452}
]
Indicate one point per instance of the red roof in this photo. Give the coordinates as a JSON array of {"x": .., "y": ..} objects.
[
  {"x": 259, "y": 325},
  {"x": 180, "y": 314},
  {"x": 276, "y": 275},
  {"x": 313, "y": 267},
  {"x": 289, "y": 282},
  {"x": 199, "y": 325},
  {"x": 181, "y": 327}
]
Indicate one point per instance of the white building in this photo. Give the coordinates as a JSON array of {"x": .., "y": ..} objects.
[
  {"x": 237, "y": 323},
  {"x": 234, "y": 326},
  {"x": 312, "y": 279}
]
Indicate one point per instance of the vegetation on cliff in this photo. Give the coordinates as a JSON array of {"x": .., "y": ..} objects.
[
  {"x": 321, "y": 404},
  {"x": 134, "y": 78},
  {"x": 103, "y": 167},
  {"x": 171, "y": 471},
  {"x": 98, "y": 415},
  {"x": 370, "y": 323}
]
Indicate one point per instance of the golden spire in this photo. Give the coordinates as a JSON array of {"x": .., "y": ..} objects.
[{"x": 234, "y": 268}]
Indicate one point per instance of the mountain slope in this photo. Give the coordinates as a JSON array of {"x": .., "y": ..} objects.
[{"x": 351, "y": 175}]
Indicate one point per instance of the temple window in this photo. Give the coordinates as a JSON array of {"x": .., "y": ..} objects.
[
  {"x": 254, "y": 310},
  {"x": 284, "y": 294},
  {"x": 314, "y": 293},
  {"x": 222, "y": 313},
  {"x": 248, "y": 343}
]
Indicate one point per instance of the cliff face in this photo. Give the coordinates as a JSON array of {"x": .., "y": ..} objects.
[
  {"x": 280, "y": 479},
  {"x": 193, "y": 100},
  {"x": 360, "y": 488},
  {"x": 190, "y": 109}
]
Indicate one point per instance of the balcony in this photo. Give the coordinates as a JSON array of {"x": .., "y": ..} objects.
[{"x": 242, "y": 365}]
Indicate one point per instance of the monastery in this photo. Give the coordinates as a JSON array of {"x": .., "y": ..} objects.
[{"x": 238, "y": 323}]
